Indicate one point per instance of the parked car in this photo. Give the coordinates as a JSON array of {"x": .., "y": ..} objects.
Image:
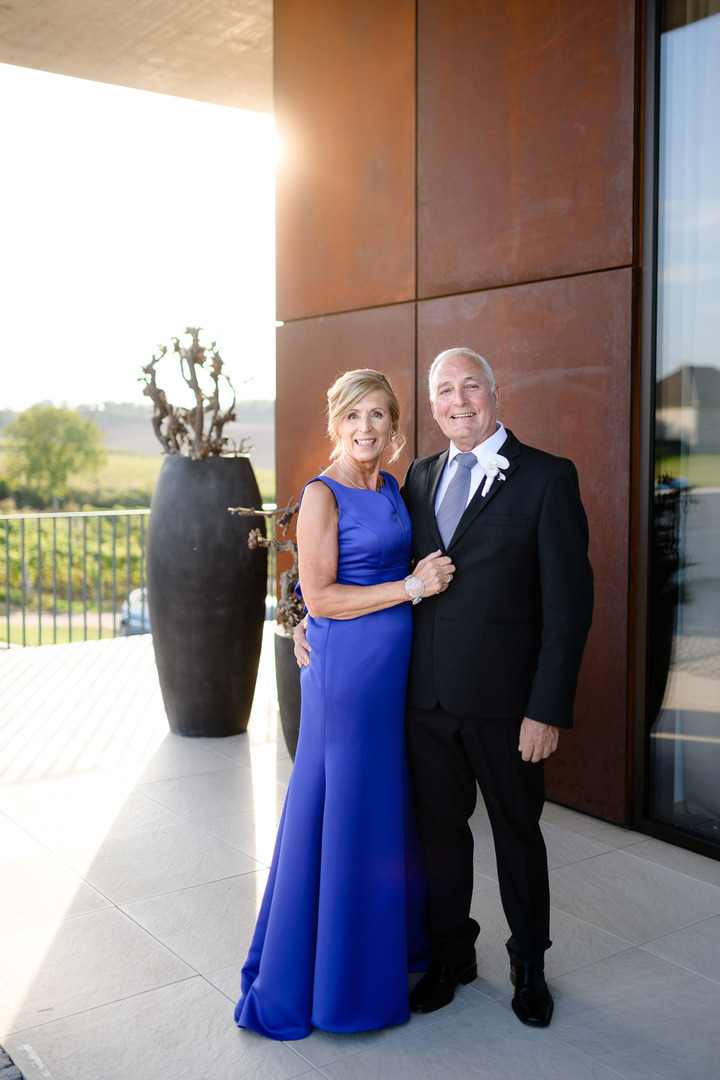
[{"x": 134, "y": 614}]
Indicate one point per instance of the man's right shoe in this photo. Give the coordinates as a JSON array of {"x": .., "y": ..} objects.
[
  {"x": 437, "y": 986},
  {"x": 532, "y": 1002}
]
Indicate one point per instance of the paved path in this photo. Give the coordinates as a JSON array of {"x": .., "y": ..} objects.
[{"x": 133, "y": 862}]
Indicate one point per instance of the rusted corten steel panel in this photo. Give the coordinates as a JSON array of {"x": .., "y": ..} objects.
[
  {"x": 525, "y": 140},
  {"x": 310, "y": 355},
  {"x": 345, "y": 113},
  {"x": 561, "y": 352}
]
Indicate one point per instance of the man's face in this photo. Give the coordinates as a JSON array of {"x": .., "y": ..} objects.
[{"x": 462, "y": 402}]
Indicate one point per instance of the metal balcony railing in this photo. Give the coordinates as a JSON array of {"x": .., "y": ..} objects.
[{"x": 72, "y": 576}]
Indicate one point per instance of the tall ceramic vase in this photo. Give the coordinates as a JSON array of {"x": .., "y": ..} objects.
[{"x": 206, "y": 593}]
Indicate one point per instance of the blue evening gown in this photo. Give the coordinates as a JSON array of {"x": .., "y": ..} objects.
[{"x": 343, "y": 916}]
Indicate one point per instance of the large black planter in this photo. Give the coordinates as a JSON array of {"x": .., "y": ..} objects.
[
  {"x": 287, "y": 674},
  {"x": 206, "y": 593}
]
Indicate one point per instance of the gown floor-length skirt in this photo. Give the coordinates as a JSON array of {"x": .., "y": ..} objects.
[{"x": 342, "y": 920}]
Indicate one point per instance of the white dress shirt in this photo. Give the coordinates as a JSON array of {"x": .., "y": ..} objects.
[{"x": 490, "y": 445}]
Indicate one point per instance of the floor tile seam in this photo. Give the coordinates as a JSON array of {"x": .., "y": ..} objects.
[
  {"x": 54, "y": 743},
  {"x": 481, "y": 993},
  {"x": 678, "y": 873},
  {"x": 392, "y": 1034},
  {"x": 193, "y": 821},
  {"x": 116, "y": 770},
  {"x": 592, "y": 925},
  {"x": 571, "y": 833},
  {"x": 35, "y": 839},
  {"x": 226, "y": 757},
  {"x": 481, "y": 873},
  {"x": 611, "y": 1072},
  {"x": 163, "y": 944},
  {"x": 582, "y": 859},
  {"x": 139, "y": 787},
  {"x": 165, "y": 892},
  {"x": 68, "y": 778},
  {"x": 388, "y": 1037},
  {"x": 554, "y": 1034},
  {"x": 638, "y": 838},
  {"x": 261, "y": 865},
  {"x": 111, "y": 906},
  {"x": 504, "y": 997},
  {"x": 232, "y": 766},
  {"x": 233, "y": 1000},
  {"x": 678, "y": 929},
  {"x": 638, "y": 860},
  {"x": 690, "y": 926},
  {"x": 102, "y": 1005},
  {"x": 586, "y": 859},
  {"x": 175, "y": 892},
  {"x": 630, "y": 946},
  {"x": 550, "y": 1034},
  {"x": 178, "y": 892},
  {"x": 679, "y": 965},
  {"x": 57, "y": 923},
  {"x": 183, "y": 823}
]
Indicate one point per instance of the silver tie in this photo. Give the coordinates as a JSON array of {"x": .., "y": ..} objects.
[{"x": 455, "y": 498}]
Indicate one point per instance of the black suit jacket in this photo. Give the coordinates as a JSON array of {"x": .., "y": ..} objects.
[{"x": 506, "y": 638}]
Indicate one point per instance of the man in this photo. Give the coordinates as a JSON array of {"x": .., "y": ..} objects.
[
  {"x": 494, "y": 666},
  {"x": 493, "y": 671}
]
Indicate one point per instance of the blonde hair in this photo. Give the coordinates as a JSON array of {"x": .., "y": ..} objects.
[{"x": 348, "y": 391}]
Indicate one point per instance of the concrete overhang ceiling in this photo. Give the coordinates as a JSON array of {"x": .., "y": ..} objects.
[{"x": 218, "y": 51}]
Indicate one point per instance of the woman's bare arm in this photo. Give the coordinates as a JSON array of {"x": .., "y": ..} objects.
[{"x": 324, "y": 596}]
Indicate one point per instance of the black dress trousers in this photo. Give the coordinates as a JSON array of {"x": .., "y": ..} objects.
[{"x": 449, "y": 756}]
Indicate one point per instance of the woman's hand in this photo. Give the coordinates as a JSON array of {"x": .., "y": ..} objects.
[
  {"x": 302, "y": 649},
  {"x": 435, "y": 571}
]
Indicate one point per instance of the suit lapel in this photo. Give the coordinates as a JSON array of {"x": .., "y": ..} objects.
[
  {"x": 432, "y": 482},
  {"x": 510, "y": 449}
]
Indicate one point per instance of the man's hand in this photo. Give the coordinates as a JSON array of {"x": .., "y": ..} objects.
[
  {"x": 537, "y": 741},
  {"x": 302, "y": 649}
]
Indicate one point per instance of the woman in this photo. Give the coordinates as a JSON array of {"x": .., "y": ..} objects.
[{"x": 342, "y": 919}]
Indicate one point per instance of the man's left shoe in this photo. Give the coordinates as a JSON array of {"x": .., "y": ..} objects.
[
  {"x": 532, "y": 1003},
  {"x": 437, "y": 986}
]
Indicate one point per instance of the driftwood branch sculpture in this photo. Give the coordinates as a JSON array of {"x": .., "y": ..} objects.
[
  {"x": 290, "y": 608},
  {"x": 185, "y": 430}
]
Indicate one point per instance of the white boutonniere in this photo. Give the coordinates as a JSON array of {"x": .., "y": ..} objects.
[{"x": 492, "y": 465}]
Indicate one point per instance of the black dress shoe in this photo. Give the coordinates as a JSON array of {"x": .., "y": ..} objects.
[
  {"x": 532, "y": 1003},
  {"x": 437, "y": 986}
]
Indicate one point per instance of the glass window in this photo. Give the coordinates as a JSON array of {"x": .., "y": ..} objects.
[{"x": 684, "y": 631}]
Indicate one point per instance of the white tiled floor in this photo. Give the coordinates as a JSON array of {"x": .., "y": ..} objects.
[{"x": 133, "y": 861}]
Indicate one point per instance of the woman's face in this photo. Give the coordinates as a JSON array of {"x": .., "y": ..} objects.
[{"x": 365, "y": 429}]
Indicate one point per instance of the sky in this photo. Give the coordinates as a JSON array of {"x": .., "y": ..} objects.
[
  {"x": 128, "y": 216},
  {"x": 689, "y": 197}
]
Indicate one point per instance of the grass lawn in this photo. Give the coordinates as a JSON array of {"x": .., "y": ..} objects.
[
  {"x": 62, "y": 636},
  {"x": 126, "y": 474},
  {"x": 702, "y": 470}
]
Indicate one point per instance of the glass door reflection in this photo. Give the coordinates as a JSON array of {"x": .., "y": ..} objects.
[{"x": 684, "y": 632}]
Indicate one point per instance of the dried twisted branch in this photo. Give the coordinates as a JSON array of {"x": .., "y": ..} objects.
[
  {"x": 290, "y": 608},
  {"x": 184, "y": 431}
]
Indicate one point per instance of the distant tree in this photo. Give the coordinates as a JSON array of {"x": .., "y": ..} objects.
[{"x": 47, "y": 445}]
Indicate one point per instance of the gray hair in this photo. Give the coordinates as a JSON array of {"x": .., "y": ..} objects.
[{"x": 459, "y": 351}]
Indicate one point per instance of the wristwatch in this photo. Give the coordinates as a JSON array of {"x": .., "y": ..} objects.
[{"x": 414, "y": 587}]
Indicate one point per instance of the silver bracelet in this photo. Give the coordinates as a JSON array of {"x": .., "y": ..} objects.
[{"x": 414, "y": 587}]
